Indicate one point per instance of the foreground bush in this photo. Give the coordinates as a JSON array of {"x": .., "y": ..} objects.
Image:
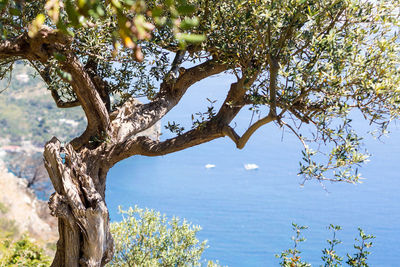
[
  {"x": 18, "y": 251},
  {"x": 147, "y": 238},
  {"x": 23, "y": 253}
]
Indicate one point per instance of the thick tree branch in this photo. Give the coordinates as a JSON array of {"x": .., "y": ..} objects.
[
  {"x": 13, "y": 48},
  {"x": 211, "y": 130},
  {"x": 273, "y": 76},
  {"x": 236, "y": 97},
  {"x": 148, "y": 147},
  {"x": 190, "y": 76},
  {"x": 90, "y": 100},
  {"x": 102, "y": 86},
  {"x": 145, "y": 146},
  {"x": 133, "y": 117}
]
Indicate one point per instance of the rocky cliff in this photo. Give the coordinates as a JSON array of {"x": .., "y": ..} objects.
[{"x": 30, "y": 215}]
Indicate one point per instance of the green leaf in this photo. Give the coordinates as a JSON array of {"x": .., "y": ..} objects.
[
  {"x": 156, "y": 11},
  {"x": 3, "y": 4},
  {"x": 82, "y": 3},
  {"x": 189, "y": 23},
  {"x": 62, "y": 27},
  {"x": 72, "y": 13},
  {"x": 100, "y": 11},
  {"x": 65, "y": 75},
  {"x": 169, "y": 3},
  {"x": 129, "y": 2},
  {"x": 186, "y": 9},
  {"x": 191, "y": 38},
  {"x": 116, "y": 3},
  {"x": 15, "y": 12},
  {"x": 59, "y": 57}
]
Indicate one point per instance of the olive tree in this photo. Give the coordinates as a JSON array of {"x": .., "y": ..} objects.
[{"x": 296, "y": 62}]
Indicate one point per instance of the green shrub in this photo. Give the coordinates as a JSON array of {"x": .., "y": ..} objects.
[
  {"x": 23, "y": 253},
  {"x": 19, "y": 252},
  {"x": 147, "y": 238}
]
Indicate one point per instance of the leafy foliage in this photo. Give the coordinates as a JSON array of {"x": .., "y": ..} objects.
[
  {"x": 360, "y": 257},
  {"x": 309, "y": 62},
  {"x": 131, "y": 24},
  {"x": 291, "y": 257},
  {"x": 330, "y": 258},
  {"x": 147, "y": 238},
  {"x": 199, "y": 119},
  {"x": 173, "y": 127},
  {"x": 15, "y": 250},
  {"x": 23, "y": 253}
]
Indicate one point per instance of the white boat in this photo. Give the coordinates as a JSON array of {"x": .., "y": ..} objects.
[
  {"x": 209, "y": 166},
  {"x": 250, "y": 166}
]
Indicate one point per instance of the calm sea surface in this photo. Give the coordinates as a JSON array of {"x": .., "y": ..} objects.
[{"x": 246, "y": 215}]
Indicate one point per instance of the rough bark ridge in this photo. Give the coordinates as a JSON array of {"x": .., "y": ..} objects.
[{"x": 80, "y": 208}]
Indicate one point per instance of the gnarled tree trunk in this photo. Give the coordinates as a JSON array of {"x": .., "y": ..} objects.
[{"x": 78, "y": 202}]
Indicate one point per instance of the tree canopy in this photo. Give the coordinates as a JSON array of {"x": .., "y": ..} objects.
[
  {"x": 309, "y": 62},
  {"x": 296, "y": 62}
]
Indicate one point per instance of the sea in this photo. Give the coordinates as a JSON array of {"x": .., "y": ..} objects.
[{"x": 247, "y": 215}]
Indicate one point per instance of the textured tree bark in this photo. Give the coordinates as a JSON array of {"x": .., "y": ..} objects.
[{"x": 78, "y": 202}]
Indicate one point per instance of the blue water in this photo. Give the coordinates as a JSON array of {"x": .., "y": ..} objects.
[{"x": 246, "y": 215}]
